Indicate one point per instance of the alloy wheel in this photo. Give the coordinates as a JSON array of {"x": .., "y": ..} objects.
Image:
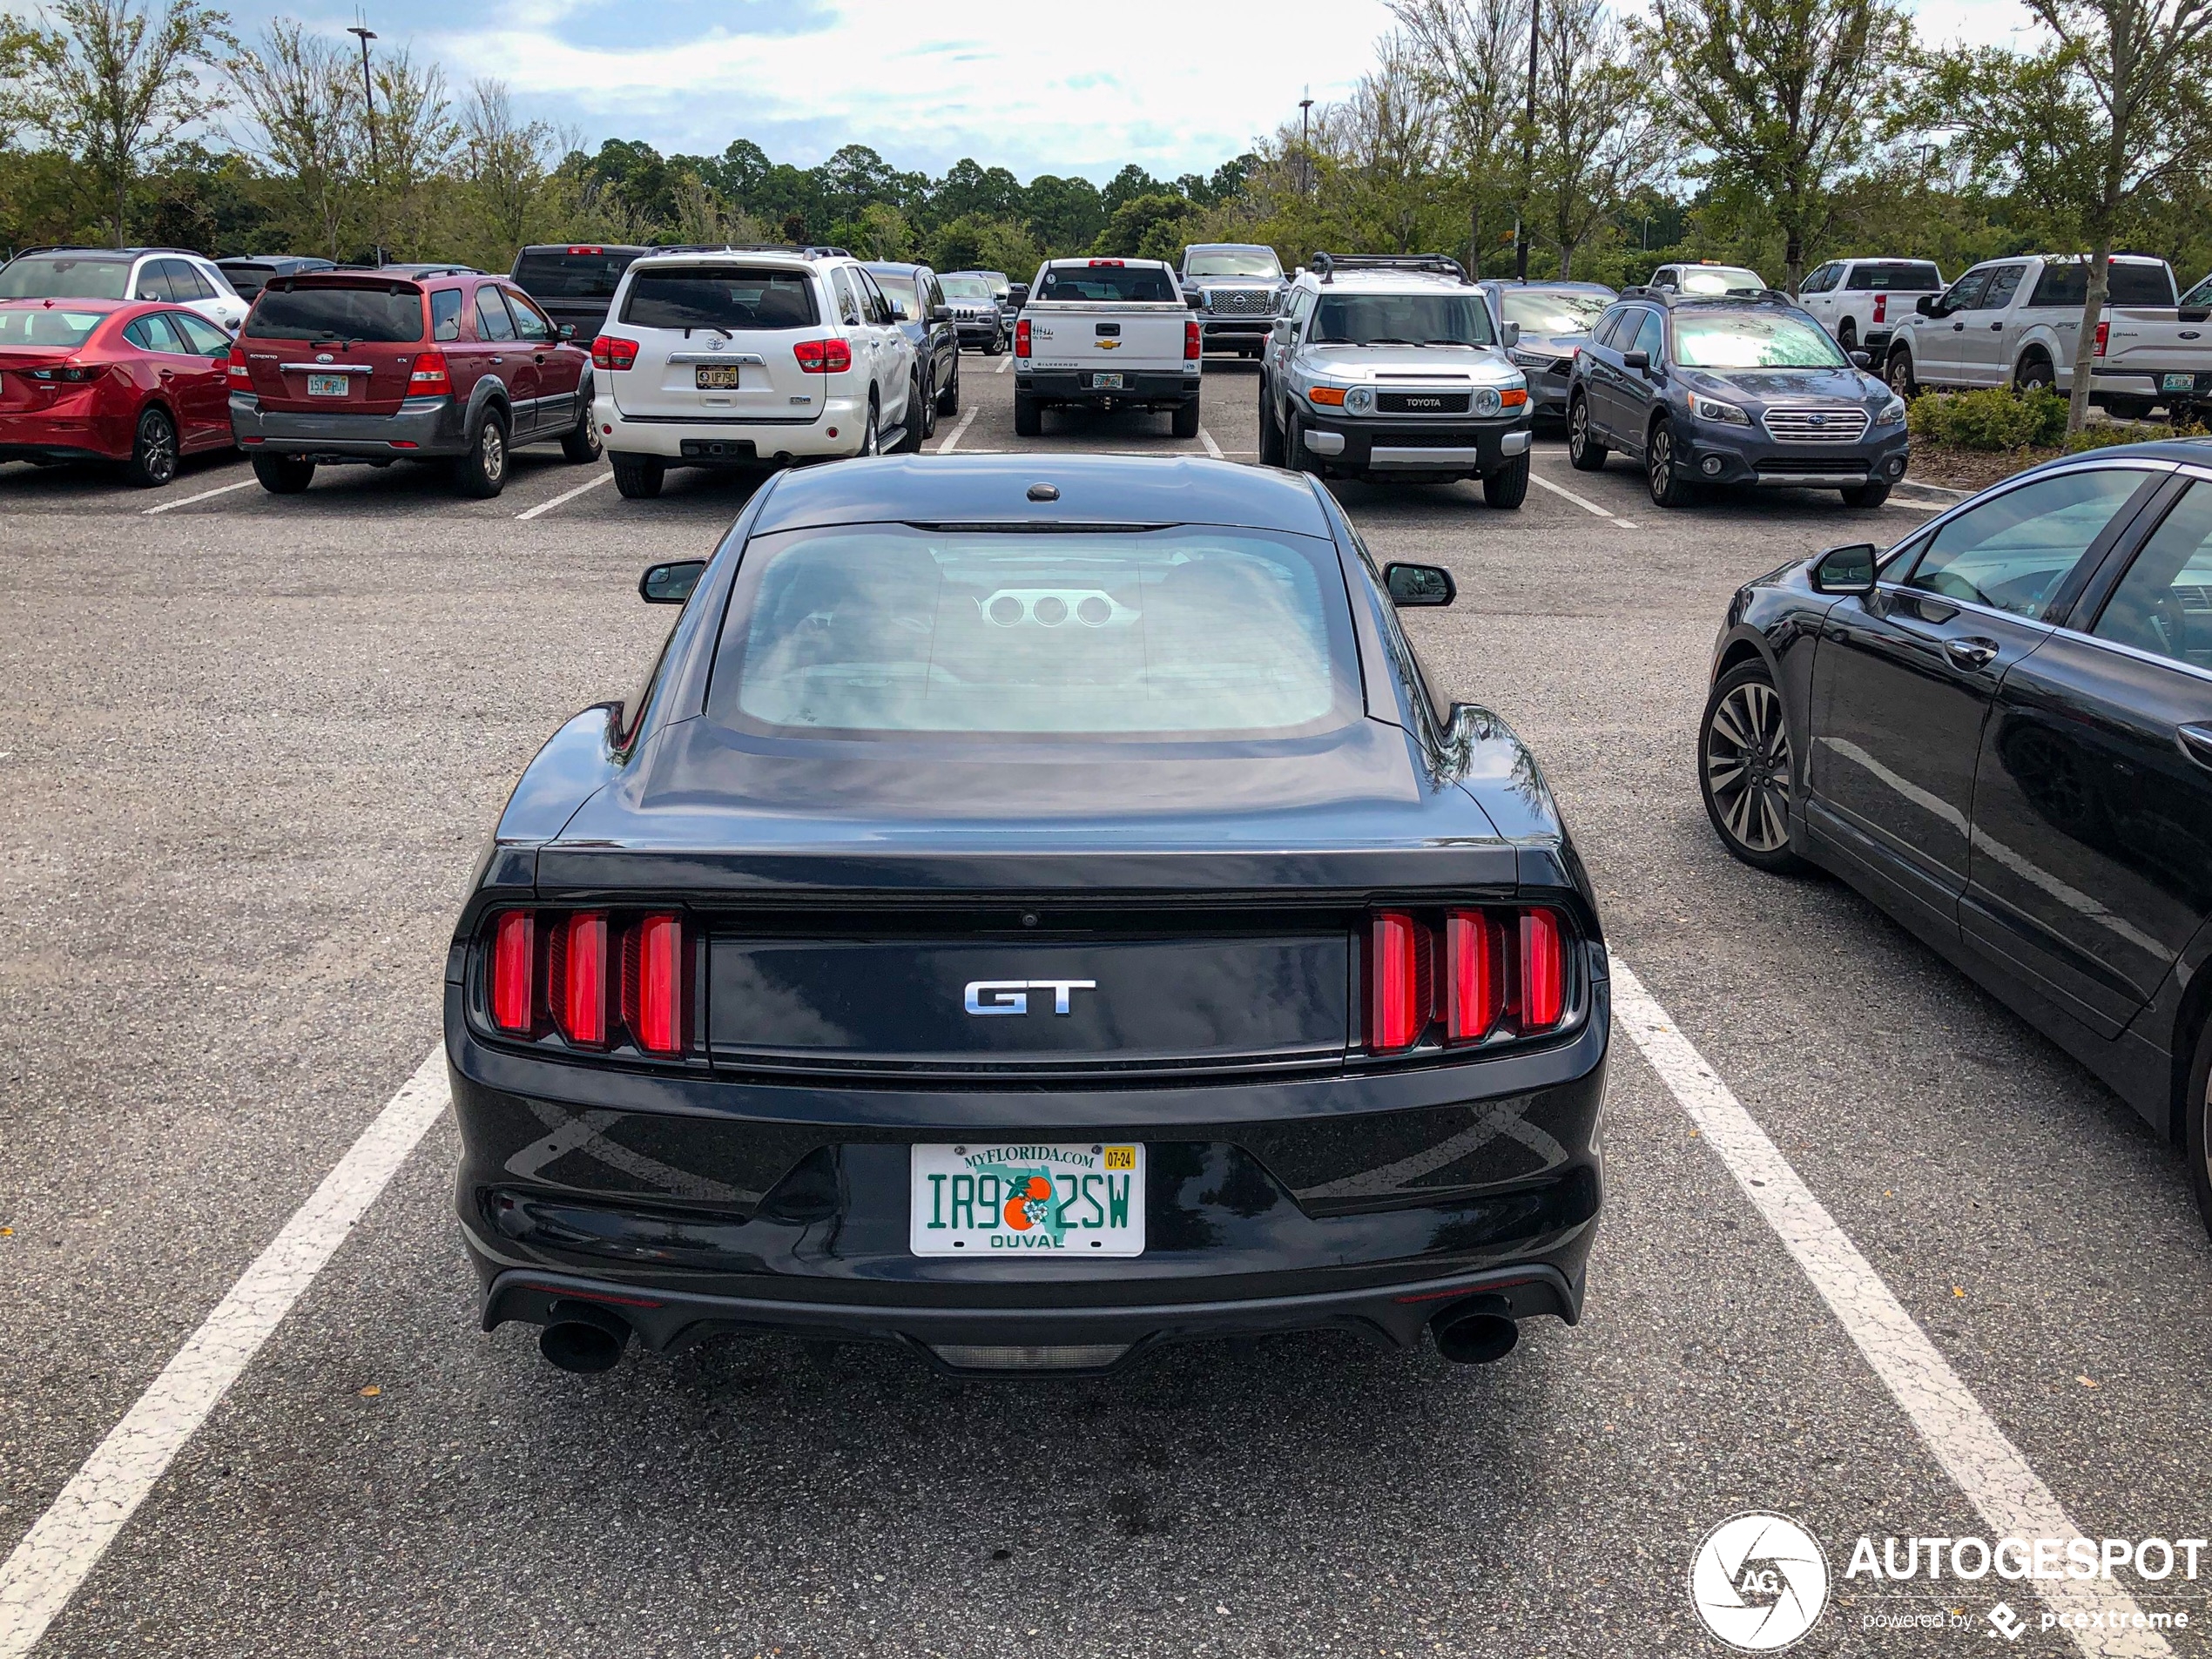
[
  {"x": 1578, "y": 427},
  {"x": 494, "y": 448},
  {"x": 158, "y": 448},
  {"x": 1661, "y": 460},
  {"x": 1747, "y": 766}
]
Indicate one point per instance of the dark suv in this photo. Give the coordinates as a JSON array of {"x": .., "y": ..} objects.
[
  {"x": 1739, "y": 389},
  {"x": 360, "y": 365}
]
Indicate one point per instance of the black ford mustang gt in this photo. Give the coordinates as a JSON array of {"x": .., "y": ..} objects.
[
  {"x": 2000, "y": 731},
  {"x": 1032, "y": 911}
]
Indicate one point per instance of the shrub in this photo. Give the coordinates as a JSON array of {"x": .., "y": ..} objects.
[
  {"x": 2102, "y": 436},
  {"x": 1999, "y": 418}
]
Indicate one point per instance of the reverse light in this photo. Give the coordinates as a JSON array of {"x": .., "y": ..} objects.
[
  {"x": 575, "y": 976},
  {"x": 1400, "y": 982},
  {"x": 613, "y": 351},
  {"x": 2104, "y": 331},
  {"x": 1189, "y": 341},
  {"x": 514, "y": 964},
  {"x": 429, "y": 377},
  {"x": 239, "y": 377},
  {"x": 653, "y": 983},
  {"x": 830, "y": 356},
  {"x": 1021, "y": 337}
]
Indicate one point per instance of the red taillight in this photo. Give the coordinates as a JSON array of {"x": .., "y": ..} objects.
[
  {"x": 1021, "y": 337},
  {"x": 587, "y": 250},
  {"x": 1399, "y": 984},
  {"x": 1474, "y": 956},
  {"x": 2104, "y": 329},
  {"x": 613, "y": 351},
  {"x": 652, "y": 984},
  {"x": 1190, "y": 342},
  {"x": 429, "y": 377},
  {"x": 514, "y": 964},
  {"x": 237, "y": 374},
  {"x": 575, "y": 976},
  {"x": 1112, "y": 262},
  {"x": 823, "y": 356},
  {"x": 1543, "y": 972},
  {"x": 1881, "y": 308}
]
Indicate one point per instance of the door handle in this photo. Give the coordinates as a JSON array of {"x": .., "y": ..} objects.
[
  {"x": 1970, "y": 653},
  {"x": 1994, "y": 327},
  {"x": 498, "y": 359},
  {"x": 2197, "y": 744},
  {"x": 168, "y": 374},
  {"x": 1956, "y": 326}
]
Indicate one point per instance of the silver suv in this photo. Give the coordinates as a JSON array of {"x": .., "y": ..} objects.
[{"x": 1388, "y": 367}]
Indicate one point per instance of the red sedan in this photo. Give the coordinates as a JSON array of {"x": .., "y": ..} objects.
[{"x": 98, "y": 380}]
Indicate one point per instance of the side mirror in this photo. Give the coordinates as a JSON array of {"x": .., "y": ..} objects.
[
  {"x": 1636, "y": 359},
  {"x": 671, "y": 583},
  {"x": 568, "y": 331},
  {"x": 1862, "y": 359},
  {"x": 1420, "y": 584},
  {"x": 940, "y": 314},
  {"x": 1925, "y": 305},
  {"x": 1195, "y": 299},
  {"x": 1846, "y": 569},
  {"x": 1509, "y": 334}
]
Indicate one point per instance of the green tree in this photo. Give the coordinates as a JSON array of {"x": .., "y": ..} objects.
[
  {"x": 1127, "y": 185},
  {"x": 1472, "y": 55},
  {"x": 300, "y": 104},
  {"x": 504, "y": 162},
  {"x": 1145, "y": 227},
  {"x": 1597, "y": 136},
  {"x": 1066, "y": 215}
]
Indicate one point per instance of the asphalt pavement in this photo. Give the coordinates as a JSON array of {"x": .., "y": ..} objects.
[{"x": 251, "y": 747}]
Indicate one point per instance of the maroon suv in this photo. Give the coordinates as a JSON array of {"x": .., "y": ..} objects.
[{"x": 366, "y": 366}]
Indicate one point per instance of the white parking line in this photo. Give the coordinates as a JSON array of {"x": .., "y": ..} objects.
[
  {"x": 205, "y": 495},
  {"x": 565, "y": 495},
  {"x": 66, "y": 1543},
  {"x": 1965, "y": 1439},
  {"x": 1005, "y": 363},
  {"x": 1586, "y": 505},
  {"x": 1206, "y": 438},
  {"x": 958, "y": 432}
]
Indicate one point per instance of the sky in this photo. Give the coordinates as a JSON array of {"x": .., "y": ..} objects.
[{"x": 1175, "y": 85}]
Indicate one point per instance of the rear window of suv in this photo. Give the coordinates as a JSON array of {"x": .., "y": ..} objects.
[
  {"x": 721, "y": 296},
  {"x": 1895, "y": 275},
  {"x": 66, "y": 276},
  {"x": 375, "y": 315}
]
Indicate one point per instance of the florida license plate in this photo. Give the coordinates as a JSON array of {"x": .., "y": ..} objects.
[
  {"x": 1011, "y": 1198},
  {"x": 719, "y": 377},
  {"x": 327, "y": 385},
  {"x": 1106, "y": 383},
  {"x": 2177, "y": 383}
]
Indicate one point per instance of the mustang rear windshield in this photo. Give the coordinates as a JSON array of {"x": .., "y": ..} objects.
[
  {"x": 888, "y": 631},
  {"x": 66, "y": 276},
  {"x": 1752, "y": 339},
  {"x": 1401, "y": 320},
  {"x": 377, "y": 315},
  {"x": 1109, "y": 284},
  {"x": 721, "y": 296}
]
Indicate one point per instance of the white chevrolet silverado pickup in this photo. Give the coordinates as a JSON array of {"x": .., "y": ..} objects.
[{"x": 1107, "y": 333}]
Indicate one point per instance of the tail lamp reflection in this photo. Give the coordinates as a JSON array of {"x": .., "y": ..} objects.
[
  {"x": 592, "y": 977},
  {"x": 1490, "y": 972}
]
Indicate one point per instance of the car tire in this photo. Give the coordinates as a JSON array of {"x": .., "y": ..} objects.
[
  {"x": 1508, "y": 486},
  {"x": 1872, "y": 493},
  {"x": 282, "y": 475},
  {"x": 911, "y": 434},
  {"x": 153, "y": 450},
  {"x": 1744, "y": 738},
  {"x": 1847, "y": 336},
  {"x": 1271, "y": 435},
  {"x": 1584, "y": 452},
  {"x": 581, "y": 443},
  {"x": 872, "y": 433},
  {"x": 1899, "y": 373},
  {"x": 1668, "y": 488},
  {"x": 638, "y": 477},
  {"x": 996, "y": 347},
  {"x": 481, "y": 473},
  {"x": 2196, "y": 1133},
  {"x": 1028, "y": 419},
  {"x": 1185, "y": 420},
  {"x": 2035, "y": 374},
  {"x": 949, "y": 393},
  {"x": 1295, "y": 454}
]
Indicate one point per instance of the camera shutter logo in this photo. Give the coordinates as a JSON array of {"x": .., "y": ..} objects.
[{"x": 1759, "y": 1582}]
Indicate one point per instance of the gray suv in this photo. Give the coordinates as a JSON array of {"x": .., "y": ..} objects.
[
  {"x": 1240, "y": 286},
  {"x": 1390, "y": 367}
]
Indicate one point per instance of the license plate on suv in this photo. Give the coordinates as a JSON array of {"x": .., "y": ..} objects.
[
  {"x": 719, "y": 377},
  {"x": 328, "y": 385},
  {"x": 1026, "y": 1198},
  {"x": 1106, "y": 383}
]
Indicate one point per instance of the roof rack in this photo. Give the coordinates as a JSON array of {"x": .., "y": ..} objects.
[
  {"x": 1668, "y": 296},
  {"x": 809, "y": 251},
  {"x": 1325, "y": 266}
]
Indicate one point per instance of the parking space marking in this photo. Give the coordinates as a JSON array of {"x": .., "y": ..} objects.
[
  {"x": 66, "y": 1543},
  {"x": 1582, "y": 502},
  {"x": 1973, "y": 1451},
  {"x": 1005, "y": 363},
  {"x": 565, "y": 495},
  {"x": 1206, "y": 438},
  {"x": 958, "y": 432},
  {"x": 205, "y": 495}
]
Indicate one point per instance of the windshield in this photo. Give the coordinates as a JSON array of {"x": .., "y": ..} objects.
[
  {"x": 714, "y": 297},
  {"x": 65, "y": 276},
  {"x": 1110, "y": 282},
  {"x": 371, "y": 315},
  {"x": 1401, "y": 320},
  {"x": 1235, "y": 262},
  {"x": 2199, "y": 295},
  {"x": 966, "y": 288},
  {"x": 1553, "y": 314},
  {"x": 47, "y": 326},
  {"x": 1748, "y": 339},
  {"x": 1186, "y": 632},
  {"x": 1719, "y": 279}
]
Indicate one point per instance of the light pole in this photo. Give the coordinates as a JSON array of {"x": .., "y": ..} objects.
[
  {"x": 1305, "y": 144},
  {"x": 375, "y": 167},
  {"x": 1527, "y": 153}
]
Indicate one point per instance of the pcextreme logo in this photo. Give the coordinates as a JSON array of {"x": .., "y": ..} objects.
[{"x": 1759, "y": 1582}]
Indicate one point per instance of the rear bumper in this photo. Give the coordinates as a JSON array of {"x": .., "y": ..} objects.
[
  {"x": 1448, "y": 449},
  {"x": 421, "y": 425},
  {"x": 66, "y": 438},
  {"x": 708, "y": 441},
  {"x": 1161, "y": 387}
]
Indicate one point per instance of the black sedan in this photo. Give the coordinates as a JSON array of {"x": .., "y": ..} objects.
[
  {"x": 1032, "y": 911},
  {"x": 2000, "y": 731},
  {"x": 1735, "y": 390}
]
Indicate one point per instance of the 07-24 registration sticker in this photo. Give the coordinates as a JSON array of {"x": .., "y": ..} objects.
[{"x": 1026, "y": 1198}]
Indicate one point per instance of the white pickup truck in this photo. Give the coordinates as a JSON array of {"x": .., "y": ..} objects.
[
  {"x": 2014, "y": 322},
  {"x": 1105, "y": 334}
]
